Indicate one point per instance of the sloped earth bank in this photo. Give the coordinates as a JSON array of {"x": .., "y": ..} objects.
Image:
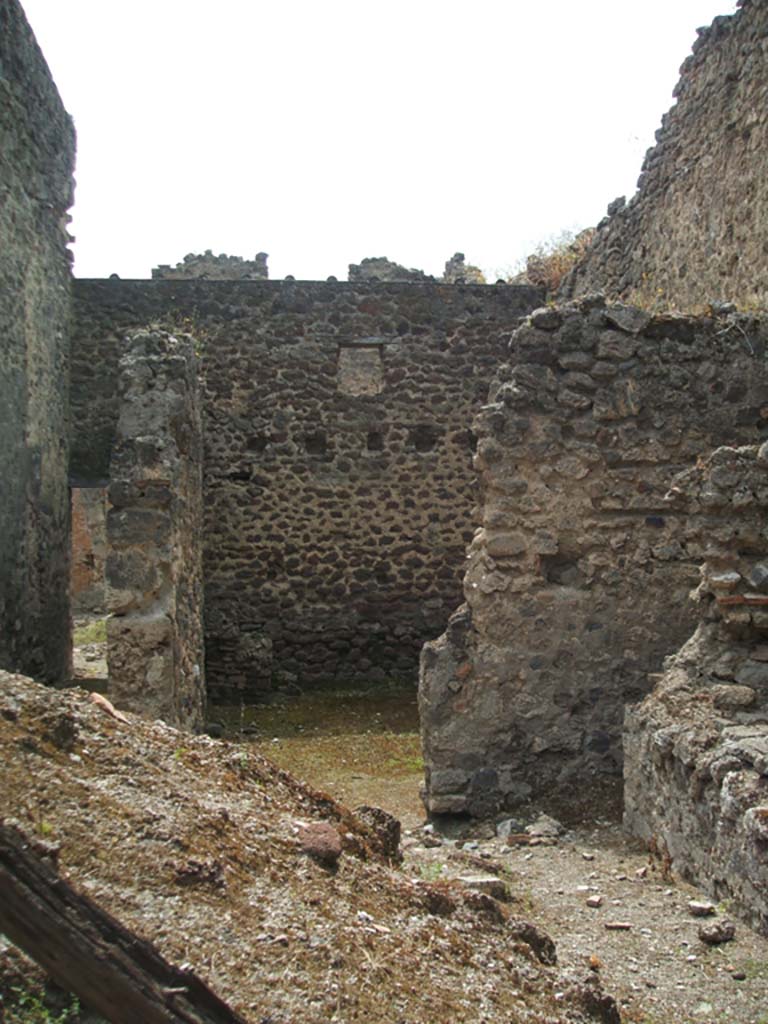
[
  {"x": 200, "y": 845},
  {"x": 197, "y": 844}
]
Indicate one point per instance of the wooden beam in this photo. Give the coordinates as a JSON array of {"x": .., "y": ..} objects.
[{"x": 88, "y": 952}]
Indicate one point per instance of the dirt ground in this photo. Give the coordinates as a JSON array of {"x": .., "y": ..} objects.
[{"x": 658, "y": 968}]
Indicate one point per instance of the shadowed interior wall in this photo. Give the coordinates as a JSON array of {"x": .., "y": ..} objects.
[
  {"x": 36, "y": 159},
  {"x": 337, "y": 472}
]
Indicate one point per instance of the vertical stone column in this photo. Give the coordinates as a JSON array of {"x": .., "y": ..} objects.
[{"x": 154, "y": 535}]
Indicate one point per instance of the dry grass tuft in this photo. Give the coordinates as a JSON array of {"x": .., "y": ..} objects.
[{"x": 549, "y": 263}]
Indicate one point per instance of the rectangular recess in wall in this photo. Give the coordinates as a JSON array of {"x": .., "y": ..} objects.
[{"x": 360, "y": 368}]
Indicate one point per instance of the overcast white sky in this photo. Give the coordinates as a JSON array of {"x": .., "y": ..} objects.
[{"x": 323, "y": 132}]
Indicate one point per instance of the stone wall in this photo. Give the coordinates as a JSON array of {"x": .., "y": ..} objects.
[
  {"x": 576, "y": 583},
  {"x": 154, "y": 534},
  {"x": 89, "y": 550},
  {"x": 379, "y": 268},
  {"x": 215, "y": 268},
  {"x": 697, "y": 229},
  {"x": 338, "y": 479},
  {"x": 696, "y": 762},
  {"x": 36, "y": 160}
]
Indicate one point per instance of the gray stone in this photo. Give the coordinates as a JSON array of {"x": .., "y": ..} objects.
[
  {"x": 545, "y": 826},
  {"x": 458, "y": 271},
  {"x": 615, "y": 345},
  {"x": 758, "y": 577},
  {"x": 717, "y": 933},
  {"x": 700, "y": 908},
  {"x": 753, "y": 674},
  {"x": 313, "y": 484},
  {"x": 505, "y": 545},
  {"x": 215, "y": 268},
  {"x": 695, "y": 781},
  {"x": 732, "y": 698},
  {"x": 450, "y": 780},
  {"x": 653, "y": 251},
  {"x": 577, "y": 582},
  {"x": 509, "y": 826},
  {"x": 379, "y": 268},
  {"x": 546, "y": 319},
  {"x": 488, "y": 884},
  {"x": 628, "y": 318}
]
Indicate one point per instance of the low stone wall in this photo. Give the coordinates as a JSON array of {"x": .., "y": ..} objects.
[
  {"x": 37, "y": 147},
  {"x": 696, "y": 231},
  {"x": 338, "y": 460},
  {"x": 576, "y": 583},
  {"x": 154, "y": 534},
  {"x": 696, "y": 749}
]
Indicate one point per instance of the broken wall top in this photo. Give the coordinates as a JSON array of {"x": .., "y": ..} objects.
[{"x": 696, "y": 230}]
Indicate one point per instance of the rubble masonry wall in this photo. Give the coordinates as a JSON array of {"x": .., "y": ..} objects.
[
  {"x": 338, "y": 480},
  {"x": 696, "y": 749},
  {"x": 577, "y": 582},
  {"x": 37, "y": 147},
  {"x": 697, "y": 229}
]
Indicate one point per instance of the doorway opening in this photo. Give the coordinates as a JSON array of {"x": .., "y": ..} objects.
[{"x": 87, "y": 586}]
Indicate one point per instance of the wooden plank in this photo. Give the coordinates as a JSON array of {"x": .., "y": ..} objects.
[{"x": 88, "y": 952}]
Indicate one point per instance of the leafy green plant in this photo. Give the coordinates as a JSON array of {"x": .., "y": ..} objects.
[
  {"x": 26, "y": 1007},
  {"x": 93, "y": 633},
  {"x": 431, "y": 872},
  {"x": 404, "y": 763}
]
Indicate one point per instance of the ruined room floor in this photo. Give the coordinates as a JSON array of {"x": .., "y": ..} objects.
[
  {"x": 366, "y": 750},
  {"x": 658, "y": 969}
]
